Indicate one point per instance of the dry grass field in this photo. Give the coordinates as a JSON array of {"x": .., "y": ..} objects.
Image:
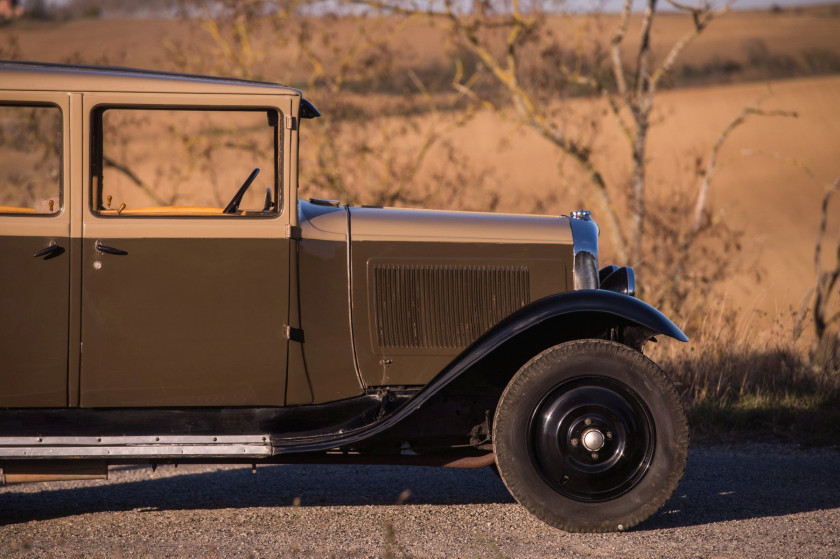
[
  {"x": 771, "y": 176},
  {"x": 145, "y": 43},
  {"x": 774, "y": 200}
]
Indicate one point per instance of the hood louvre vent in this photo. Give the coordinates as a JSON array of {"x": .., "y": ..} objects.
[{"x": 444, "y": 306}]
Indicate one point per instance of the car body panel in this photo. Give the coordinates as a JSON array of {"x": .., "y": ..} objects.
[
  {"x": 34, "y": 296},
  {"x": 321, "y": 327},
  {"x": 417, "y": 305},
  {"x": 323, "y": 368},
  {"x": 184, "y": 322},
  {"x": 34, "y": 292},
  {"x": 417, "y": 225},
  {"x": 40, "y": 76},
  {"x": 201, "y": 302},
  {"x": 428, "y": 283}
]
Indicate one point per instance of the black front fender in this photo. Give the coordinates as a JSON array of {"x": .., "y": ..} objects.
[
  {"x": 556, "y": 319},
  {"x": 598, "y": 301},
  {"x": 480, "y": 369}
]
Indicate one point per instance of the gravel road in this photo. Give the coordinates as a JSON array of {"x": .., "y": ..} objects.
[{"x": 754, "y": 501}]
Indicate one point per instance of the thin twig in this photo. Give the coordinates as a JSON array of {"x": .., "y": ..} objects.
[
  {"x": 615, "y": 49},
  {"x": 753, "y": 109},
  {"x": 825, "y": 281},
  {"x": 701, "y": 17},
  {"x": 124, "y": 169}
]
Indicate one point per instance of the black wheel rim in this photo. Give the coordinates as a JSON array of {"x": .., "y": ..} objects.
[{"x": 569, "y": 423}]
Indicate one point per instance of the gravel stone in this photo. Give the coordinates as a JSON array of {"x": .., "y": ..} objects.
[{"x": 747, "y": 501}]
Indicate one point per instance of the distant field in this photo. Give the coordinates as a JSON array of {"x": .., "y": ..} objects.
[
  {"x": 775, "y": 203},
  {"x": 741, "y": 45}
]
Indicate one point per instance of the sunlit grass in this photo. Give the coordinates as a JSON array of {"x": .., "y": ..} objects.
[{"x": 739, "y": 380}]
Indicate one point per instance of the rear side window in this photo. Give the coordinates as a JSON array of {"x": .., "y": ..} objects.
[
  {"x": 186, "y": 162},
  {"x": 30, "y": 160}
]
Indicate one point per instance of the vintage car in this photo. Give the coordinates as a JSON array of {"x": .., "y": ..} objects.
[{"x": 167, "y": 298}]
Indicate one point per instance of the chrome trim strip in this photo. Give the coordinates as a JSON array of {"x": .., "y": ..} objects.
[
  {"x": 631, "y": 282},
  {"x": 350, "y": 309},
  {"x": 585, "y": 247},
  {"x": 133, "y": 440},
  {"x": 162, "y": 446},
  {"x": 584, "y": 232},
  {"x": 144, "y": 451}
]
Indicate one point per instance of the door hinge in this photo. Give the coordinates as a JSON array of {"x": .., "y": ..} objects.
[
  {"x": 294, "y": 334},
  {"x": 293, "y": 232},
  {"x": 291, "y": 123}
]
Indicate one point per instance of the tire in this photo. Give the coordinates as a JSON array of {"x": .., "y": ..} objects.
[{"x": 590, "y": 436}]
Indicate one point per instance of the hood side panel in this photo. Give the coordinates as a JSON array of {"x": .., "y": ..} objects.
[
  {"x": 418, "y": 304},
  {"x": 396, "y": 224}
]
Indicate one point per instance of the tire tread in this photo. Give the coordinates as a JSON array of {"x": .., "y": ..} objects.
[{"x": 538, "y": 366}]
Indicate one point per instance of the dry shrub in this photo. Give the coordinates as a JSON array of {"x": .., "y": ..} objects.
[
  {"x": 365, "y": 165},
  {"x": 10, "y": 48},
  {"x": 677, "y": 276},
  {"x": 736, "y": 376},
  {"x": 366, "y": 149},
  {"x": 825, "y": 351}
]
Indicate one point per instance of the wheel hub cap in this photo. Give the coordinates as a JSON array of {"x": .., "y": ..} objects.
[{"x": 593, "y": 440}]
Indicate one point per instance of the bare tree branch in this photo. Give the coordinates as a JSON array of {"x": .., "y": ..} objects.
[
  {"x": 792, "y": 161},
  {"x": 501, "y": 37},
  {"x": 753, "y": 109},
  {"x": 826, "y": 350},
  {"x": 615, "y": 50},
  {"x": 702, "y": 17},
  {"x": 615, "y": 109},
  {"x": 124, "y": 169}
]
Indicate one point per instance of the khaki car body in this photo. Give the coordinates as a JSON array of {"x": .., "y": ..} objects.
[{"x": 306, "y": 330}]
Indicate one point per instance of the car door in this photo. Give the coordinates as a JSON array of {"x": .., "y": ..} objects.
[
  {"x": 34, "y": 249},
  {"x": 183, "y": 303}
]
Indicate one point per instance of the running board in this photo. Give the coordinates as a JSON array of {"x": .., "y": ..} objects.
[{"x": 153, "y": 447}]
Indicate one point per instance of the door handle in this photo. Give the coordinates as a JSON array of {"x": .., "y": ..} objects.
[
  {"x": 108, "y": 250},
  {"x": 51, "y": 251}
]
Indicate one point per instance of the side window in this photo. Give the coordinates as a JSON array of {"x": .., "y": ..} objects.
[
  {"x": 30, "y": 159},
  {"x": 186, "y": 162}
]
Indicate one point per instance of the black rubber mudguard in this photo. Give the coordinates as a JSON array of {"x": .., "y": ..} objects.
[{"x": 625, "y": 308}]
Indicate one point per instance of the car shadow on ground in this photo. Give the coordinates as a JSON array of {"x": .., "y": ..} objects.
[
  {"x": 720, "y": 484},
  {"x": 238, "y": 487},
  {"x": 727, "y": 483}
]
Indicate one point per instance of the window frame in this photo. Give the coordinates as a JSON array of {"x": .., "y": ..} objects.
[
  {"x": 96, "y": 154},
  {"x": 61, "y": 155}
]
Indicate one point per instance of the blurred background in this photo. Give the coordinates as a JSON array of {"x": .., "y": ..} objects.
[{"x": 704, "y": 137}]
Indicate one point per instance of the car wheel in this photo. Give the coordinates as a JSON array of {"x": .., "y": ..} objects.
[{"x": 590, "y": 436}]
